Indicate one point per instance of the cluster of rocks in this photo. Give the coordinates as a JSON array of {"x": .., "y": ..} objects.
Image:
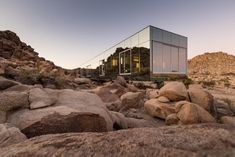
[
  {"x": 178, "y": 105},
  {"x": 35, "y": 110},
  {"x": 217, "y": 69},
  {"x": 20, "y": 62},
  {"x": 31, "y": 111}
]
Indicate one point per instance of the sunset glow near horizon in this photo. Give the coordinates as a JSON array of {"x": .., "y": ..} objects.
[{"x": 69, "y": 32}]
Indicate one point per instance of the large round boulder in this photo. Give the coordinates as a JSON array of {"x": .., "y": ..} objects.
[
  {"x": 172, "y": 119},
  {"x": 152, "y": 93},
  {"x": 200, "y": 97},
  {"x": 85, "y": 102},
  {"x": 59, "y": 119},
  {"x": 190, "y": 113},
  {"x": 121, "y": 80},
  {"x": 174, "y": 91},
  {"x": 111, "y": 92},
  {"x": 132, "y": 100},
  {"x": 159, "y": 109}
]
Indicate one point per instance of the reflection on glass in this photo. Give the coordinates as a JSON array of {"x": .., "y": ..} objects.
[
  {"x": 135, "y": 53},
  {"x": 122, "y": 65},
  {"x": 145, "y": 60},
  {"x": 131, "y": 57},
  {"x": 166, "y": 58},
  {"x": 125, "y": 64},
  {"x": 101, "y": 68},
  {"x": 174, "y": 59},
  {"x": 114, "y": 62},
  {"x": 135, "y": 62}
]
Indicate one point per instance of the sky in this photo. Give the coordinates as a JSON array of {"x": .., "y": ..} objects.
[{"x": 69, "y": 32}]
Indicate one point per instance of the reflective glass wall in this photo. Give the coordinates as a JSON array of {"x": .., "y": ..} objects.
[
  {"x": 149, "y": 51},
  {"x": 131, "y": 57},
  {"x": 169, "y": 52}
]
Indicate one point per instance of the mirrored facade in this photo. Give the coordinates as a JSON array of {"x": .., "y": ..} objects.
[{"x": 147, "y": 53}]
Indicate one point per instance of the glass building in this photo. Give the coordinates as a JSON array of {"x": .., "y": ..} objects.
[{"x": 147, "y": 54}]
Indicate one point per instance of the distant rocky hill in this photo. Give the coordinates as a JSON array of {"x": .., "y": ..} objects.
[
  {"x": 213, "y": 68},
  {"x": 20, "y": 62}
]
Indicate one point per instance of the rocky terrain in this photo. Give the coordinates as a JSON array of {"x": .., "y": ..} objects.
[
  {"x": 184, "y": 141},
  {"x": 171, "y": 121},
  {"x": 117, "y": 118},
  {"x": 213, "y": 69},
  {"x": 19, "y": 61}
]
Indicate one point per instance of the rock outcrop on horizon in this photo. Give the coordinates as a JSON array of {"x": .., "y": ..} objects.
[
  {"x": 216, "y": 68},
  {"x": 20, "y": 62}
]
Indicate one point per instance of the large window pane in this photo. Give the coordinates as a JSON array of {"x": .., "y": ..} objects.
[
  {"x": 157, "y": 57},
  {"x": 101, "y": 68},
  {"x": 174, "y": 59},
  {"x": 135, "y": 53},
  {"x": 182, "y": 60},
  {"x": 125, "y": 61},
  {"x": 166, "y": 58},
  {"x": 122, "y": 64},
  {"x": 145, "y": 58}
]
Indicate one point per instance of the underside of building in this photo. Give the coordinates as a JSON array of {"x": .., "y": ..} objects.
[{"x": 149, "y": 53}]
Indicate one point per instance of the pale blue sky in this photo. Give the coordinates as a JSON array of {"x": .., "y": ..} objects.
[{"x": 69, "y": 32}]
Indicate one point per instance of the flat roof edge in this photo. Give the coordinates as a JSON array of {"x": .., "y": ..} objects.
[{"x": 165, "y": 30}]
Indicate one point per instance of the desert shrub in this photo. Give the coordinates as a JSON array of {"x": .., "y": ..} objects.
[
  {"x": 160, "y": 81},
  {"x": 60, "y": 82},
  {"x": 227, "y": 84},
  {"x": 208, "y": 83},
  {"x": 187, "y": 81},
  {"x": 225, "y": 81},
  {"x": 28, "y": 76},
  {"x": 33, "y": 76}
]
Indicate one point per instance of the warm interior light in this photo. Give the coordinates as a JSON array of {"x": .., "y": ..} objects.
[
  {"x": 114, "y": 62},
  {"x": 137, "y": 65}
]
